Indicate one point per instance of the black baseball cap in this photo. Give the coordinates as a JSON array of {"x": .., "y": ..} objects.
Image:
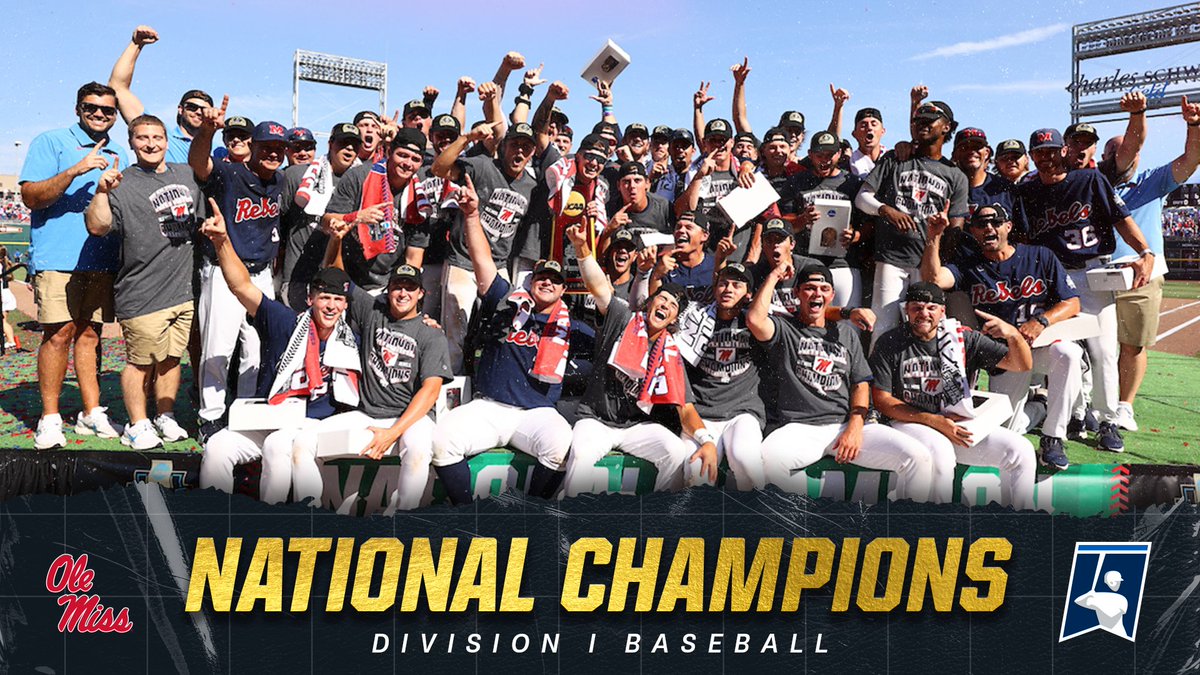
[
  {"x": 410, "y": 139},
  {"x": 825, "y": 141},
  {"x": 269, "y": 132},
  {"x": 1010, "y": 145},
  {"x": 662, "y": 131},
  {"x": 606, "y": 128},
  {"x": 559, "y": 117},
  {"x": 999, "y": 213},
  {"x": 933, "y": 110},
  {"x": 330, "y": 280},
  {"x": 970, "y": 134},
  {"x": 406, "y": 272},
  {"x": 865, "y": 113},
  {"x": 552, "y": 266},
  {"x": 594, "y": 144},
  {"x": 636, "y": 128},
  {"x": 746, "y": 136},
  {"x": 445, "y": 123},
  {"x": 566, "y": 130},
  {"x": 924, "y": 291},
  {"x": 683, "y": 135},
  {"x": 696, "y": 216},
  {"x": 676, "y": 291},
  {"x": 792, "y": 118},
  {"x": 775, "y": 134},
  {"x": 519, "y": 130},
  {"x": 718, "y": 127},
  {"x": 300, "y": 135},
  {"x": 1081, "y": 128},
  {"x": 736, "y": 269},
  {"x": 814, "y": 272},
  {"x": 777, "y": 226},
  {"x": 1045, "y": 138},
  {"x": 415, "y": 104},
  {"x": 238, "y": 123},
  {"x": 195, "y": 93},
  {"x": 632, "y": 169},
  {"x": 623, "y": 237},
  {"x": 366, "y": 114},
  {"x": 345, "y": 130}
]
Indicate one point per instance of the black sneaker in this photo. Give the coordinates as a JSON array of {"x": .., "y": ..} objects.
[
  {"x": 1052, "y": 453},
  {"x": 1076, "y": 430},
  {"x": 1110, "y": 438},
  {"x": 1091, "y": 421},
  {"x": 207, "y": 430}
]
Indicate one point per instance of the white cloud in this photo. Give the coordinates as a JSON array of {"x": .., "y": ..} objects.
[
  {"x": 1000, "y": 42},
  {"x": 1025, "y": 87}
]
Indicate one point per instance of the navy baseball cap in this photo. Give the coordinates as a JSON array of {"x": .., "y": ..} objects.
[
  {"x": 814, "y": 272},
  {"x": 410, "y": 139},
  {"x": 934, "y": 110},
  {"x": 406, "y": 272},
  {"x": 867, "y": 113},
  {"x": 696, "y": 216},
  {"x": 552, "y": 266},
  {"x": 736, "y": 269},
  {"x": 269, "y": 132},
  {"x": 683, "y": 135},
  {"x": 344, "y": 130},
  {"x": 300, "y": 135},
  {"x": 330, "y": 280},
  {"x": 792, "y": 118},
  {"x": 1045, "y": 138},
  {"x": 970, "y": 134},
  {"x": 238, "y": 123},
  {"x": 566, "y": 130},
  {"x": 718, "y": 127},
  {"x": 1010, "y": 145},
  {"x": 923, "y": 291},
  {"x": 999, "y": 215}
]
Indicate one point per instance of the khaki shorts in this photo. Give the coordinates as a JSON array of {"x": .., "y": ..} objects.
[
  {"x": 65, "y": 297},
  {"x": 158, "y": 336},
  {"x": 1137, "y": 314}
]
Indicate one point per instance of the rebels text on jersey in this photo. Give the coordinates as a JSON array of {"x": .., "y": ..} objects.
[
  {"x": 1074, "y": 217},
  {"x": 1029, "y": 282},
  {"x": 251, "y": 207}
]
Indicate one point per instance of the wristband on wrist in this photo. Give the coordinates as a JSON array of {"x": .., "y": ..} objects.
[
  {"x": 1041, "y": 318},
  {"x": 523, "y": 99},
  {"x": 1193, "y": 124},
  {"x": 525, "y": 89},
  {"x": 845, "y": 313},
  {"x": 703, "y": 436},
  {"x": 606, "y": 109}
]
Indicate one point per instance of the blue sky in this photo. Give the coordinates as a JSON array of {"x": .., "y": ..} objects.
[{"x": 1001, "y": 66}]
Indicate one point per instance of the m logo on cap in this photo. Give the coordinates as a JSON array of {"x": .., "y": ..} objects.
[
  {"x": 1045, "y": 136},
  {"x": 275, "y": 129}
]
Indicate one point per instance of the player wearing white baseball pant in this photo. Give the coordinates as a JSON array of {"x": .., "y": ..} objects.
[
  {"x": 226, "y": 449},
  {"x": 792, "y": 447},
  {"x": 740, "y": 439},
  {"x": 1061, "y": 363},
  {"x": 222, "y": 320},
  {"x": 414, "y": 449},
  {"x": 592, "y": 439},
  {"x": 1102, "y": 349},
  {"x": 482, "y": 425},
  {"x": 1003, "y": 449},
  {"x": 891, "y": 283},
  {"x": 847, "y": 287}
]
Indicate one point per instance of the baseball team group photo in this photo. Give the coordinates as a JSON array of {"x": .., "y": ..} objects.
[{"x": 518, "y": 282}]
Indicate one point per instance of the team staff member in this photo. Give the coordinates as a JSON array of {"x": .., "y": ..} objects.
[
  {"x": 154, "y": 208},
  {"x": 638, "y": 367},
  {"x": 1025, "y": 286},
  {"x": 1077, "y": 215},
  {"x": 311, "y": 354},
  {"x": 904, "y": 194},
  {"x": 523, "y": 344},
  {"x": 74, "y": 282},
  {"x": 922, "y": 373},
  {"x": 250, "y": 198},
  {"x": 818, "y": 400},
  {"x": 188, "y": 115},
  {"x": 1012, "y": 163},
  {"x": 301, "y": 147},
  {"x": 680, "y": 169},
  {"x": 309, "y": 189}
]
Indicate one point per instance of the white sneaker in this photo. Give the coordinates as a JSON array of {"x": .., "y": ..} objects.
[
  {"x": 169, "y": 429},
  {"x": 96, "y": 423},
  {"x": 141, "y": 436},
  {"x": 1125, "y": 417},
  {"x": 49, "y": 433}
]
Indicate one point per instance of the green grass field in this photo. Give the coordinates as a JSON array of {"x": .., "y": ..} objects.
[{"x": 1184, "y": 290}]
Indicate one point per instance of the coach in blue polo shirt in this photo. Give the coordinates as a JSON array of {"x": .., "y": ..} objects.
[{"x": 75, "y": 270}]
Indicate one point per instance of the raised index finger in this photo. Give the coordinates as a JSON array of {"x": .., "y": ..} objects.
[
  {"x": 99, "y": 144},
  {"x": 212, "y": 205}
]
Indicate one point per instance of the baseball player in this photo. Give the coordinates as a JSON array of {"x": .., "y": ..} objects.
[
  {"x": 723, "y": 369},
  {"x": 642, "y": 368},
  {"x": 904, "y": 194},
  {"x": 1027, "y": 287},
  {"x": 1077, "y": 215},
  {"x": 922, "y": 373},
  {"x": 311, "y": 354},
  {"x": 518, "y": 374},
  {"x": 817, "y": 403},
  {"x": 971, "y": 155},
  {"x": 716, "y": 176},
  {"x": 688, "y": 263},
  {"x": 250, "y": 197}
]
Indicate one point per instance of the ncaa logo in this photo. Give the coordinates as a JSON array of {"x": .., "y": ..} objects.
[{"x": 1105, "y": 593}]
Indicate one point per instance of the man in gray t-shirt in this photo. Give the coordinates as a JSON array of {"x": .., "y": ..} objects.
[
  {"x": 154, "y": 208},
  {"x": 819, "y": 397}
]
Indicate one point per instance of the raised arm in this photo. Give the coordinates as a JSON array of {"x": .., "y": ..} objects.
[
  {"x": 593, "y": 276},
  {"x": 915, "y": 96},
  {"x": 511, "y": 61},
  {"x": 533, "y": 78},
  {"x": 98, "y": 216},
  {"x": 840, "y": 96},
  {"x": 458, "y": 109},
  {"x": 604, "y": 97},
  {"x": 200, "y": 153},
  {"x": 698, "y": 100},
  {"x": 236, "y": 275},
  {"x": 931, "y": 260},
  {"x": 1134, "y": 103},
  {"x": 43, "y": 193},
  {"x": 541, "y": 119},
  {"x": 477, "y": 242},
  {"x": 121, "y": 77},
  {"x": 490, "y": 94},
  {"x": 741, "y": 121},
  {"x": 1185, "y": 165},
  {"x": 445, "y": 164},
  {"x": 758, "y": 316}
]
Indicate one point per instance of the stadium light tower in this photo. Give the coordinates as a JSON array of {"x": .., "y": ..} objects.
[{"x": 341, "y": 71}]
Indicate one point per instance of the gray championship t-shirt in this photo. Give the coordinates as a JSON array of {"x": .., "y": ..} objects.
[
  {"x": 814, "y": 371},
  {"x": 156, "y": 216},
  {"x": 712, "y": 188},
  {"x": 919, "y": 187},
  {"x": 503, "y": 204},
  {"x": 725, "y": 381},
  {"x": 347, "y": 198},
  {"x": 911, "y": 369},
  {"x": 657, "y": 217},
  {"x": 397, "y": 356},
  {"x": 805, "y": 186},
  {"x": 783, "y": 298},
  {"x": 611, "y": 396}
]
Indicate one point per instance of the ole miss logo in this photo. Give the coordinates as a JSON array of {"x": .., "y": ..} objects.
[
  {"x": 248, "y": 209},
  {"x": 823, "y": 365},
  {"x": 71, "y": 578},
  {"x": 275, "y": 129},
  {"x": 932, "y": 385},
  {"x": 1045, "y": 136},
  {"x": 1003, "y": 292}
]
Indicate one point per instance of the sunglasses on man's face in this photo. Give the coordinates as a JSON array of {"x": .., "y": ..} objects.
[
  {"x": 194, "y": 107},
  {"x": 92, "y": 108},
  {"x": 984, "y": 221}
]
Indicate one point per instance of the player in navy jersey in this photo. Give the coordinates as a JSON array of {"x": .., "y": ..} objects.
[
  {"x": 971, "y": 155},
  {"x": 1077, "y": 215},
  {"x": 249, "y": 196},
  {"x": 518, "y": 374},
  {"x": 1027, "y": 287}
]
